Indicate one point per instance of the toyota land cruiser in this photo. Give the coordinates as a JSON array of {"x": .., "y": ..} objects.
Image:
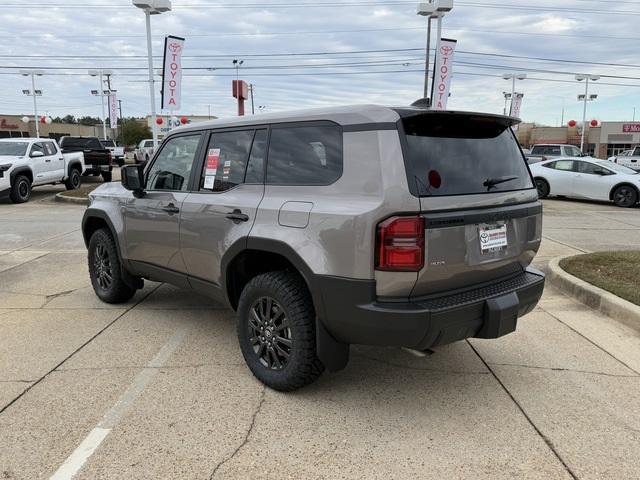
[{"x": 325, "y": 228}]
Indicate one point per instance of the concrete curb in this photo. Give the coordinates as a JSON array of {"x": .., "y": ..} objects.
[
  {"x": 61, "y": 197},
  {"x": 605, "y": 302}
]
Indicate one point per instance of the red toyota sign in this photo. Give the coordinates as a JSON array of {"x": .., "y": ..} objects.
[{"x": 631, "y": 128}]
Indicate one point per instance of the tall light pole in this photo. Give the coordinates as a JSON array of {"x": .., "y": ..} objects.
[
  {"x": 586, "y": 98},
  {"x": 152, "y": 7},
  {"x": 513, "y": 77},
  {"x": 100, "y": 93},
  {"x": 34, "y": 93},
  {"x": 427, "y": 9}
]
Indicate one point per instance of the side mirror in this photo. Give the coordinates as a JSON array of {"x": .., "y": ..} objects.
[
  {"x": 36, "y": 154},
  {"x": 132, "y": 178}
]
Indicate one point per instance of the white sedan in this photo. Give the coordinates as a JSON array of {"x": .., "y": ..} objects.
[{"x": 587, "y": 178}]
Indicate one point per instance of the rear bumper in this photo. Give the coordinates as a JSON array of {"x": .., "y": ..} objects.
[
  {"x": 98, "y": 168},
  {"x": 352, "y": 315}
]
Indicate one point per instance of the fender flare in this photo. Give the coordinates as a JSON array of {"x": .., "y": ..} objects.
[
  {"x": 20, "y": 170},
  {"x": 74, "y": 164},
  {"x": 333, "y": 353},
  {"x": 129, "y": 279}
]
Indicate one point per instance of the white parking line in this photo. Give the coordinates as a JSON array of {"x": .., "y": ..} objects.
[{"x": 90, "y": 444}]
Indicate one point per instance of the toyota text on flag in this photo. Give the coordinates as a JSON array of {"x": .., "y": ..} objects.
[
  {"x": 172, "y": 73},
  {"x": 443, "y": 73}
]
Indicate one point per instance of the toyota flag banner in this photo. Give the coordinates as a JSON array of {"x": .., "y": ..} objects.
[
  {"x": 172, "y": 73},
  {"x": 443, "y": 73},
  {"x": 516, "y": 106},
  {"x": 113, "y": 110}
]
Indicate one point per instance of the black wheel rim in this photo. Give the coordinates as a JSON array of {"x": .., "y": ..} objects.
[
  {"x": 75, "y": 180},
  {"x": 270, "y": 333},
  {"x": 625, "y": 196},
  {"x": 23, "y": 189},
  {"x": 542, "y": 189},
  {"x": 102, "y": 267}
]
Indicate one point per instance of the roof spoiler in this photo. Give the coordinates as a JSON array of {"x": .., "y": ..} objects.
[{"x": 421, "y": 107}]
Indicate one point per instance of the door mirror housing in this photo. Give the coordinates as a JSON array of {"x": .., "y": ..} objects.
[
  {"x": 36, "y": 154},
  {"x": 132, "y": 179}
]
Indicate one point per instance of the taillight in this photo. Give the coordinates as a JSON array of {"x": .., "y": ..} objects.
[{"x": 400, "y": 244}]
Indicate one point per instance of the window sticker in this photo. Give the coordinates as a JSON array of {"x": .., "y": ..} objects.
[
  {"x": 209, "y": 182},
  {"x": 213, "y": 157}
]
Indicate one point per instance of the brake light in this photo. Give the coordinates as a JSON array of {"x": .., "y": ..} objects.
[{"x": 400, "y": 244}]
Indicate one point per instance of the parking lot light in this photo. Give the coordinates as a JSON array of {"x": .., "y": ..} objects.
[
  {"x": 34, "y": 93},
  {"x": 101, "y": 93},
  {"x": 586, "y": 98},
  {"x": 513, "y": 77},
  {"x": 152, "y": 7}
]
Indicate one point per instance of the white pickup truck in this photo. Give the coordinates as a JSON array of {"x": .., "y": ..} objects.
[
  {"x": 542, "y": 152},
  {"x": 144, "y": 152},
  {"x": 117, "y": 152},
  {"x": 630, "y": 160},
  {"x": 31, "y": 162}
]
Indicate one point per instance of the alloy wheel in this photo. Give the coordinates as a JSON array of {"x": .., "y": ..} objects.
[
  {"x": 102, "y": 265},
  {"x": 625, "y": 196},
  {"x": 23, "y": 189},
  {"x": 270, "y": 333}
]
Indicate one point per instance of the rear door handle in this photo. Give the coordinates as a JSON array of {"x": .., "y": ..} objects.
[
  {"x": 238, "y": 216},
  {"x": 171, "y": 209},
  {"x": 48, "y": 160}
]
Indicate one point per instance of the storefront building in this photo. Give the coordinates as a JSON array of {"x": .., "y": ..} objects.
[
  {"x": 13, "y": 126},
  {"x": 604, "y": 141}
]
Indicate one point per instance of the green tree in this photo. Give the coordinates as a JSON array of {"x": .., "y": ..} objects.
[
  {"x": 133, "y": 131},
  {"x": 89, "y": 121},
  {"x": 68, "y": 119}
]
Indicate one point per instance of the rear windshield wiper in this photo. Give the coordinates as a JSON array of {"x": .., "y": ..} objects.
[{"x": 493, "y": 182}]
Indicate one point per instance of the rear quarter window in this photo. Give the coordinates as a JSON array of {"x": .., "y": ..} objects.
[
  {"x": 305, "y": 155},
  {"x": 463, "y": 155}
]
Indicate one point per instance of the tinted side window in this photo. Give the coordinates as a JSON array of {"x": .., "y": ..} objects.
[
  {"x": 49, "y": 148},
  {"x": 226, "y": 162},
  {"x": 305, "y": 155},
  {"x": 255, "y": 168},
  {"x": 172, "y": 167}
]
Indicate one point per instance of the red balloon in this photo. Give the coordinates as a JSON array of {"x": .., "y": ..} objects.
[
  {"x": 435, "y": 180},
  {"x": 159, "y": 121},
  {"x": 595, "y": 123},
  {"x": 184, "y": 120},
  {"x": 43, "y": 119},
  {"x": 572, "y": 123}
]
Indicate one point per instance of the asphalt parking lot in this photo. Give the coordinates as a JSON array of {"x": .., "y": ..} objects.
[{"x": 157, "y": 388}]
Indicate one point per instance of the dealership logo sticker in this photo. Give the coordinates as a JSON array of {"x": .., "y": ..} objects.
[
  {"x": 172, "y": 73},
  {"x": 631, "y": 128}
]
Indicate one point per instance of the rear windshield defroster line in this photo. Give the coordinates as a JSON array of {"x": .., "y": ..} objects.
[{"x": 462, "y": 155}]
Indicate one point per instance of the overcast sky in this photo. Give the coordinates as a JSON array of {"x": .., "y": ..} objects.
[{"x": 79, "y": 35}]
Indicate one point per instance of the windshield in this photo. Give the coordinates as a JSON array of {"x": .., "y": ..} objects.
[
  {"x": 148, "y": 143},
  {"x": 13, "y": 148},
  {"x": 616, "y": 168},
  {"x": 463, "y": 155}
]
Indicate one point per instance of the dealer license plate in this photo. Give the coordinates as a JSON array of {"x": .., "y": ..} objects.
[{"x": 493, "y": 238}]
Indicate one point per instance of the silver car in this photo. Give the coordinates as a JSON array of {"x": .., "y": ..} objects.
[{"x": 325, "y": 228}]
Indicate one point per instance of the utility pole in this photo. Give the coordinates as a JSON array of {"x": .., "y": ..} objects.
[{"x": 253, "y": 110}]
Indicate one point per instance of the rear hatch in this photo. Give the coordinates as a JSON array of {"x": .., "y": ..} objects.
[{"x": 482, "y": 217}]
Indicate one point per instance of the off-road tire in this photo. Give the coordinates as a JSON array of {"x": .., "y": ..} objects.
[
  {"x": 625, "y": 196},
  {"x": 291, "y": 296},
  {"x": 74, "y": 181},
  {"x": 20, "y": 190},
  {"x": 106, "y": 176},
  {"x": 543, "y": 188},
  {"x": 103, "y": 256}
]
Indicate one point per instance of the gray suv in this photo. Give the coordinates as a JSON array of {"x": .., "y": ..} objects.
[{"x": 325, "y": 228}]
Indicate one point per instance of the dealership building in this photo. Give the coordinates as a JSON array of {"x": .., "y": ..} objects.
[{"x": 604, "y": 141}]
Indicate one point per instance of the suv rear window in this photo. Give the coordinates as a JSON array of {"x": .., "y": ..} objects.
[{"x": 463, "y": 155}]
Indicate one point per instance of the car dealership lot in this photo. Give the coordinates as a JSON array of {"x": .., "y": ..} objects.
[{"x": 158, "y": 388}]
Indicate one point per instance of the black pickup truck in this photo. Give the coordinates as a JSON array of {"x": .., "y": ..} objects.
[{"x": 97, "y": 159}]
